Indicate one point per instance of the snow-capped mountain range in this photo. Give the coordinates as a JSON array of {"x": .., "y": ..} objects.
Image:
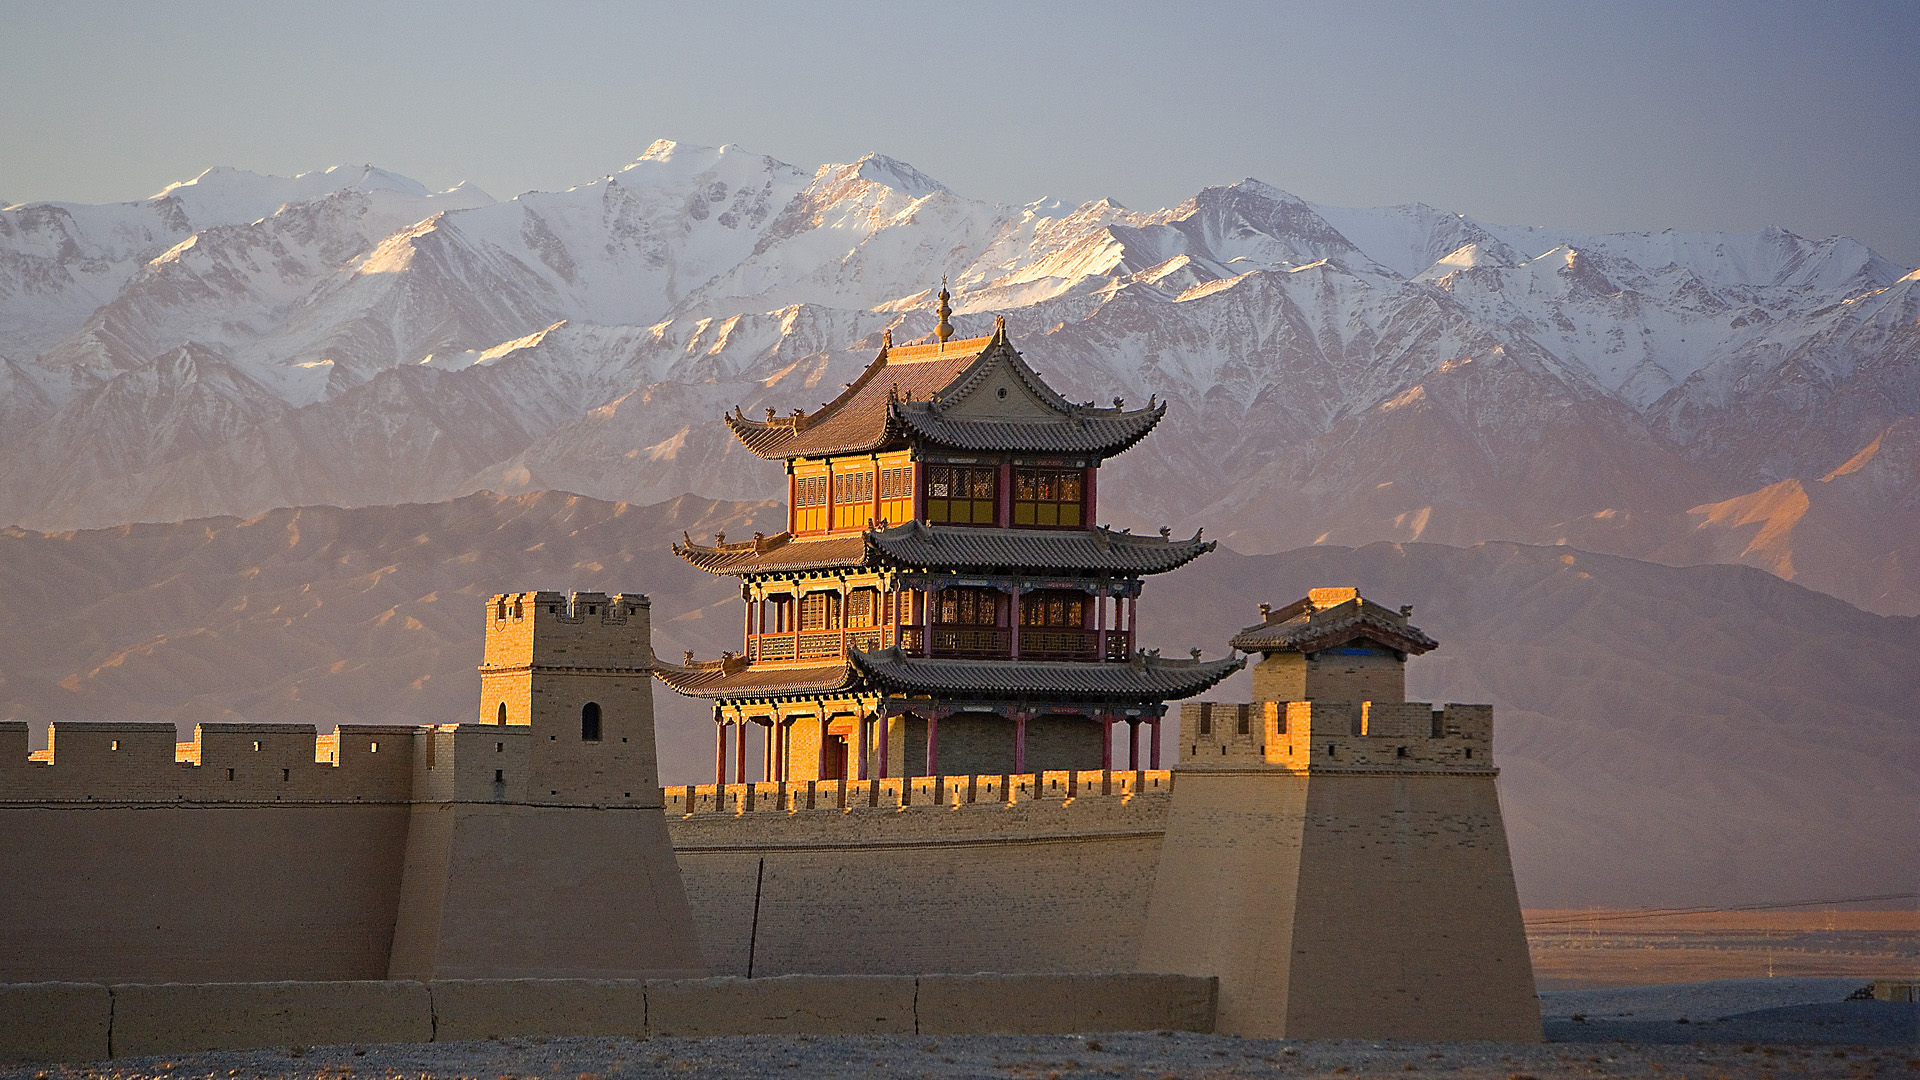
[{"x": 241, "y": 342}]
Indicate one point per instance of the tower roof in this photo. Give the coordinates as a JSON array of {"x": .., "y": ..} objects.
[
  {"x": 931, "y": 393},
  {"x": 1329, "y": 618},
  {"x": 1144, "y": 678},
  {"x": 917, "y": 544}
]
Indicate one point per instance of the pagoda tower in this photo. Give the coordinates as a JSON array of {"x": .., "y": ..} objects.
[{"x": 941, "y": 601}]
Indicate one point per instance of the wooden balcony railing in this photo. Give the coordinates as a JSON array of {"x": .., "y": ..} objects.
[
  {"x": 969, "y": 642},
  {"x": 816, "y": 644},
  {"x": 974, "y": 641}
]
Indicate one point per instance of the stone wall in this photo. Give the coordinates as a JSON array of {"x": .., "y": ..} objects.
[
  {"x": 1045, "y": 872},
  {"x": 1344, "y": 906}
]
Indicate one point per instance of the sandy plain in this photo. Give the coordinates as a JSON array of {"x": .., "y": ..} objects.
[{"x": 1574, "y": 950}]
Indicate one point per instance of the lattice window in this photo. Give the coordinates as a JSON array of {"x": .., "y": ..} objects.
[
  {"x": 1054, "y": 607},
  {"x": 1049, "y": 497},
  {"x": 809, "y": 503},
  {"x": 820, "y": 611},
  {"x": 896, "y": 495},
  {"x": 969, "y": 607},
  {"x": 961, "y": 494},
  {"x": 852, "y": 499},
  {"x": 863, "y": 607}
]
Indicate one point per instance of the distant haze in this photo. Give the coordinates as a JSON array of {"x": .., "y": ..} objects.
[{"x": 1599, "y": 117}]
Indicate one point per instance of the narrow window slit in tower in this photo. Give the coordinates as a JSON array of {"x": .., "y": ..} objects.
[{"x": 590, "y": 722}]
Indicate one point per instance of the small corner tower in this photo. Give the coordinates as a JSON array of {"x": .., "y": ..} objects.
[
  {"x": 1332, "y": 645},
  {"x": 536, "y": 846},
  {"x": 1334, "y": 852}
]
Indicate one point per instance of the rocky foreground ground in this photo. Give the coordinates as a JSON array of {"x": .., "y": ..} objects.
[{"x": 1161, "y": 1056}]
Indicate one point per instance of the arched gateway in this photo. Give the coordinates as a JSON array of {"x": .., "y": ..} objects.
[{"x": 941, "y": 602}]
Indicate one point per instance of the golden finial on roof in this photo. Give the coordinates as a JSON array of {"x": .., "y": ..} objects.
[
  {"x": 1000, "y": 328},
  {"x": 886, "y": 339},
  {"x": 945, "y": 330}
]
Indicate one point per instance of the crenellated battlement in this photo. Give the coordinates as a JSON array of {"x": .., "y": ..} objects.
[
  {"x": 1338, "y": 737},
  {"x": 915, "y": 793},
  {"x": 579, "y": 630},
  {"x": 134, "y": 762}
]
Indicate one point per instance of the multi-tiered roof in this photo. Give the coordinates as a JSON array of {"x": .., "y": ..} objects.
[{"x": 941, "y": 552}]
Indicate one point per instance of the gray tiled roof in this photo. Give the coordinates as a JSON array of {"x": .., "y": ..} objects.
[
  {"x": 1142, "y": 679},
  {"x": 1105, "y": 435},
  {"x": 1300, "y": 627},
  {"x": 734, "y": 678},
  {"x": 776, "y": 554},
  {"x": 917, "y": 544}
]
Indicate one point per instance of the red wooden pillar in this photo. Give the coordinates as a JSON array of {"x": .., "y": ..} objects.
[
  {"x": 933, "y": 744},
  {"x": 1093, "y": 476},
  {"x": 880, "y": 728},
  {"x": 740, "y": 754},
  {"x": 1153, "y": 746},
  {"x": 927, "y": 600},
  {"x": 1019, "y": 742},
  {"x": 720, "y": 753},
  {"x": 863, "y": 727},
  {"x": 776, "y": 743},
  {"x": 1133, "y": 745},
  {"x": 1100, "y": 625},
  {"x": 820, "y": 770},
  {"x": 1003, "y": 506},
  {"x": 1014, "y": 621},
  {"x": 1106, "y": 742}
]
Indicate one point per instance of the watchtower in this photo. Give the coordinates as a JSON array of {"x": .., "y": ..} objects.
[
  {"x": 1334, "y": 852},
  {"x": 537, "y": 847},
  {"x": 576, "y": 671}
]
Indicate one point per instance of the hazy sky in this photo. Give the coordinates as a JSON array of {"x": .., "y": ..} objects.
[{"x": 1600, "y": 116}]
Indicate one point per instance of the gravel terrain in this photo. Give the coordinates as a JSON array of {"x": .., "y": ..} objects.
[{"x": 1062, "y": 1057}]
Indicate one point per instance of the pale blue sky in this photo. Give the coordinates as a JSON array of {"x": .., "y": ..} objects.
[{"x": 1596, "y": 116}]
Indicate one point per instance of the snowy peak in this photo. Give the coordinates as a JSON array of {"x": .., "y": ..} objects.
[
  {"x": 899, "y": 176},
  {"x": 223, "y": 195}
]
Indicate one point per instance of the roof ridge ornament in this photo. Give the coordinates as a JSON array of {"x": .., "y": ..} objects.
[
  {"x": 999, "y": 330},
  {"x": 886, "y": 341}
]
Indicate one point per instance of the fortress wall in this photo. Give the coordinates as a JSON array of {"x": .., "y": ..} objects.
[
  {"x": 1345, "y": 906},
  {"x": 913, "y": 877},
  {"x": 497, "y": 890},
  {"x": 1406, "y": 918},
  {"x": 126, "y": 860},
  {"x": 207, "y": 893}
]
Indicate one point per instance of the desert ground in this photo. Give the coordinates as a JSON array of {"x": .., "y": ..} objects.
[{"x": 1575, "y": 950}]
